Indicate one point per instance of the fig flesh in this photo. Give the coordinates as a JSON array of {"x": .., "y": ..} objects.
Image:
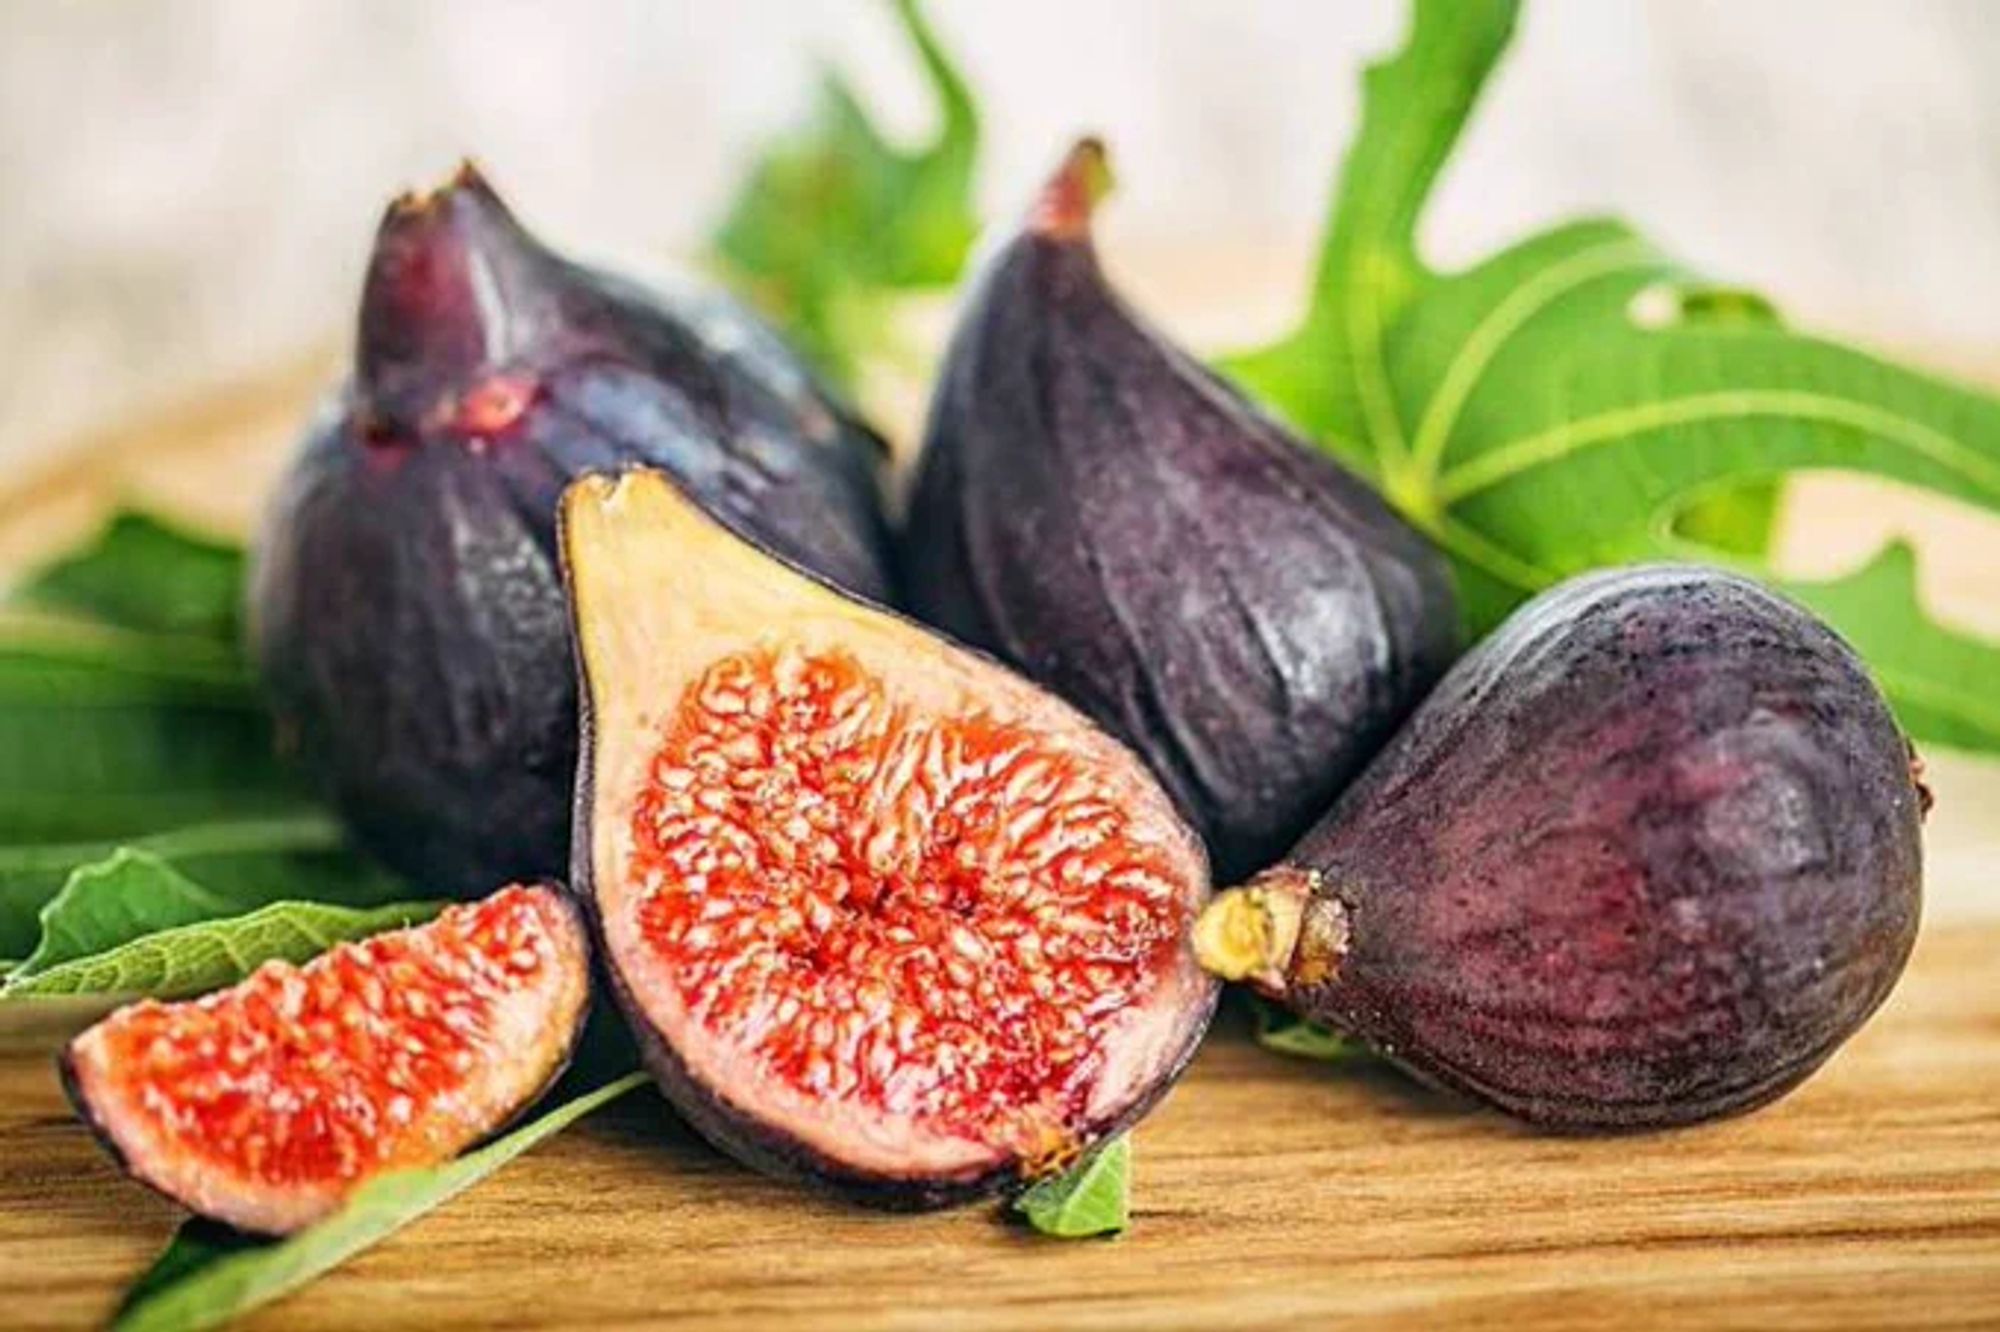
[
  {"x": 267, "y": 1104},
  {"x": 407, "y": 612},
  {"x": 884, "y": 915},
  {"x": 1647, "y": 856},
  {"x": 1099, "y": 510}
]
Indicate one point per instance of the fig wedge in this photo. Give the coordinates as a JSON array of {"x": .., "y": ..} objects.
[
  {"x": 1100, "y": 510},
  {"x": 883, "y": 914},
  {"x": 266, "y": 1105},
  {"x": 1647, "y": 856}
]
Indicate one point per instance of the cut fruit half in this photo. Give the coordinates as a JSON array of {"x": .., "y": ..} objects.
[
  {"x": 265, "y": 1105},
  {"x": 883, "y": 914}
]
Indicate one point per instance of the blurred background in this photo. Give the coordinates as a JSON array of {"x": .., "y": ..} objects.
[{"x": 187, "y": 187}]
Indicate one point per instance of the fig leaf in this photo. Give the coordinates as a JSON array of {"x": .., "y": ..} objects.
[
  {"x": 206, "y": 954},
  {"x": 128, "y": 717},
  {"x": 834, "y": 219},
  {"x": 125, "y": 896},
  {"x": 209, "y": 1274},
  {"x": 245, "y": 863},
  {"x": 143, "y": 573},
  {"x": 1580, "y": 399},
  {"x": 108, "y": 733},
  {"x": 1093, "y": 1199},
  {"x": 1941, "y": 681}
]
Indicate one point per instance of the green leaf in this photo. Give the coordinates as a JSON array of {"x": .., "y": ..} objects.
[
  {"x": 1093, "y": 1199},
  {"x": 123, "y": 897},
  {"x": 1581, "y": 400},
  {"x": 129, "y": 721},
  {"x": 1943, "y": 682},
  {"x": 834, "y": 218},
  {"x": 128, "y": 718},
  {"x": 1328, "y": 376},
  {"x": 246, "y": 863},
  {"x": 106, "y": 733},
  {"x": 1286, "y": 1033},
  {"x": 1735, "y": 521},
  {"x": 141, "y": 572},
  {"x": 193, "y": 959},
  {"x": 208, "y": 1275}
]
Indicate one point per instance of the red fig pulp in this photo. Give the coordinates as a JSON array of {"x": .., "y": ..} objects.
[
  {"x": 884, "y": 915},
  {"x": 267, "y": 1104},
  {"x": 1102, "y": 512},
  {"x": 407, "y": 612}
]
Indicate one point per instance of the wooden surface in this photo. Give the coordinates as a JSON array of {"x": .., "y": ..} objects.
[{"x": 1268, "y": 1191}]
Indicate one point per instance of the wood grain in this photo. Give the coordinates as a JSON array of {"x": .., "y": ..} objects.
[{"x": 1269, "y": 1192}]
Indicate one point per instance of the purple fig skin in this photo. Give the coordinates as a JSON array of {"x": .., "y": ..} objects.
[
  {"x": 406, "y": 610},
  {"x": 1647, "y": 856},
  {"x": 1102, "y": 512}
]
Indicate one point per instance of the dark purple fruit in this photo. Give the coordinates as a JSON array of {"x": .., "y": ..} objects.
[
  {"x": 884, "y": 915},
  {"x": 268, "y": 1104},
  {"x": 1101, "y": 511},
  {"x": 1648, "y": 855},
  {"x": 407, "y": 610}
]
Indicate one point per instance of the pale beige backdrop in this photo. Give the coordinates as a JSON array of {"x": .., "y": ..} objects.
[{"x": 186, "y": 186}]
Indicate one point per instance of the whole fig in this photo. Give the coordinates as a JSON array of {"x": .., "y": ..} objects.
[
  {"x": 1648, "y": 855},
  {"x": 1098, "y": 509},
  {"x": 407, "y": 611}
]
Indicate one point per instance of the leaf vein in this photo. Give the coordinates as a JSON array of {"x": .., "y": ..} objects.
[
  {"x": 1533, "y": 294},
  {"x": 1511, "y": 460}
]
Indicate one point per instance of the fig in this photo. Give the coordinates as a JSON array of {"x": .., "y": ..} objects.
[
  {"x": 1647, "y": 856},
  {"x": 885, "y": 916},
  {"x": 406, "y": 607},
  {"x": 1099, "y": 510},
  {"x": 267, "y": 1104}
]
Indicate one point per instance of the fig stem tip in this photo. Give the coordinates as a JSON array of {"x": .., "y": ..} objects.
[
  {"x": 1250, "y": 933},
  {"x": 466, "y": 178},
  {"x": 1073, "y": 193}
]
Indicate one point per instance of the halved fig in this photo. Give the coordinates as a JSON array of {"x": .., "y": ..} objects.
[
  {"x": 266, "y": 1104},
  {"x": 883, "y": 914}
]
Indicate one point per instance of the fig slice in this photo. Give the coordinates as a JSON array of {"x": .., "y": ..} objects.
[
  {"x": 1647, "y": 856},
  {"x": 267, "y": 1104},
  {"x": 884, "y": 915}
]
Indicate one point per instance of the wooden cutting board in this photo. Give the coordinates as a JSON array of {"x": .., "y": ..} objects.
[{"x": 1268, "y": 1191}]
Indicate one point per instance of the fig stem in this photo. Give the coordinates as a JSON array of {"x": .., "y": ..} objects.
[
  {"x": 1250, "y": 933},
  {"x": 1063, "y": 212}
]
